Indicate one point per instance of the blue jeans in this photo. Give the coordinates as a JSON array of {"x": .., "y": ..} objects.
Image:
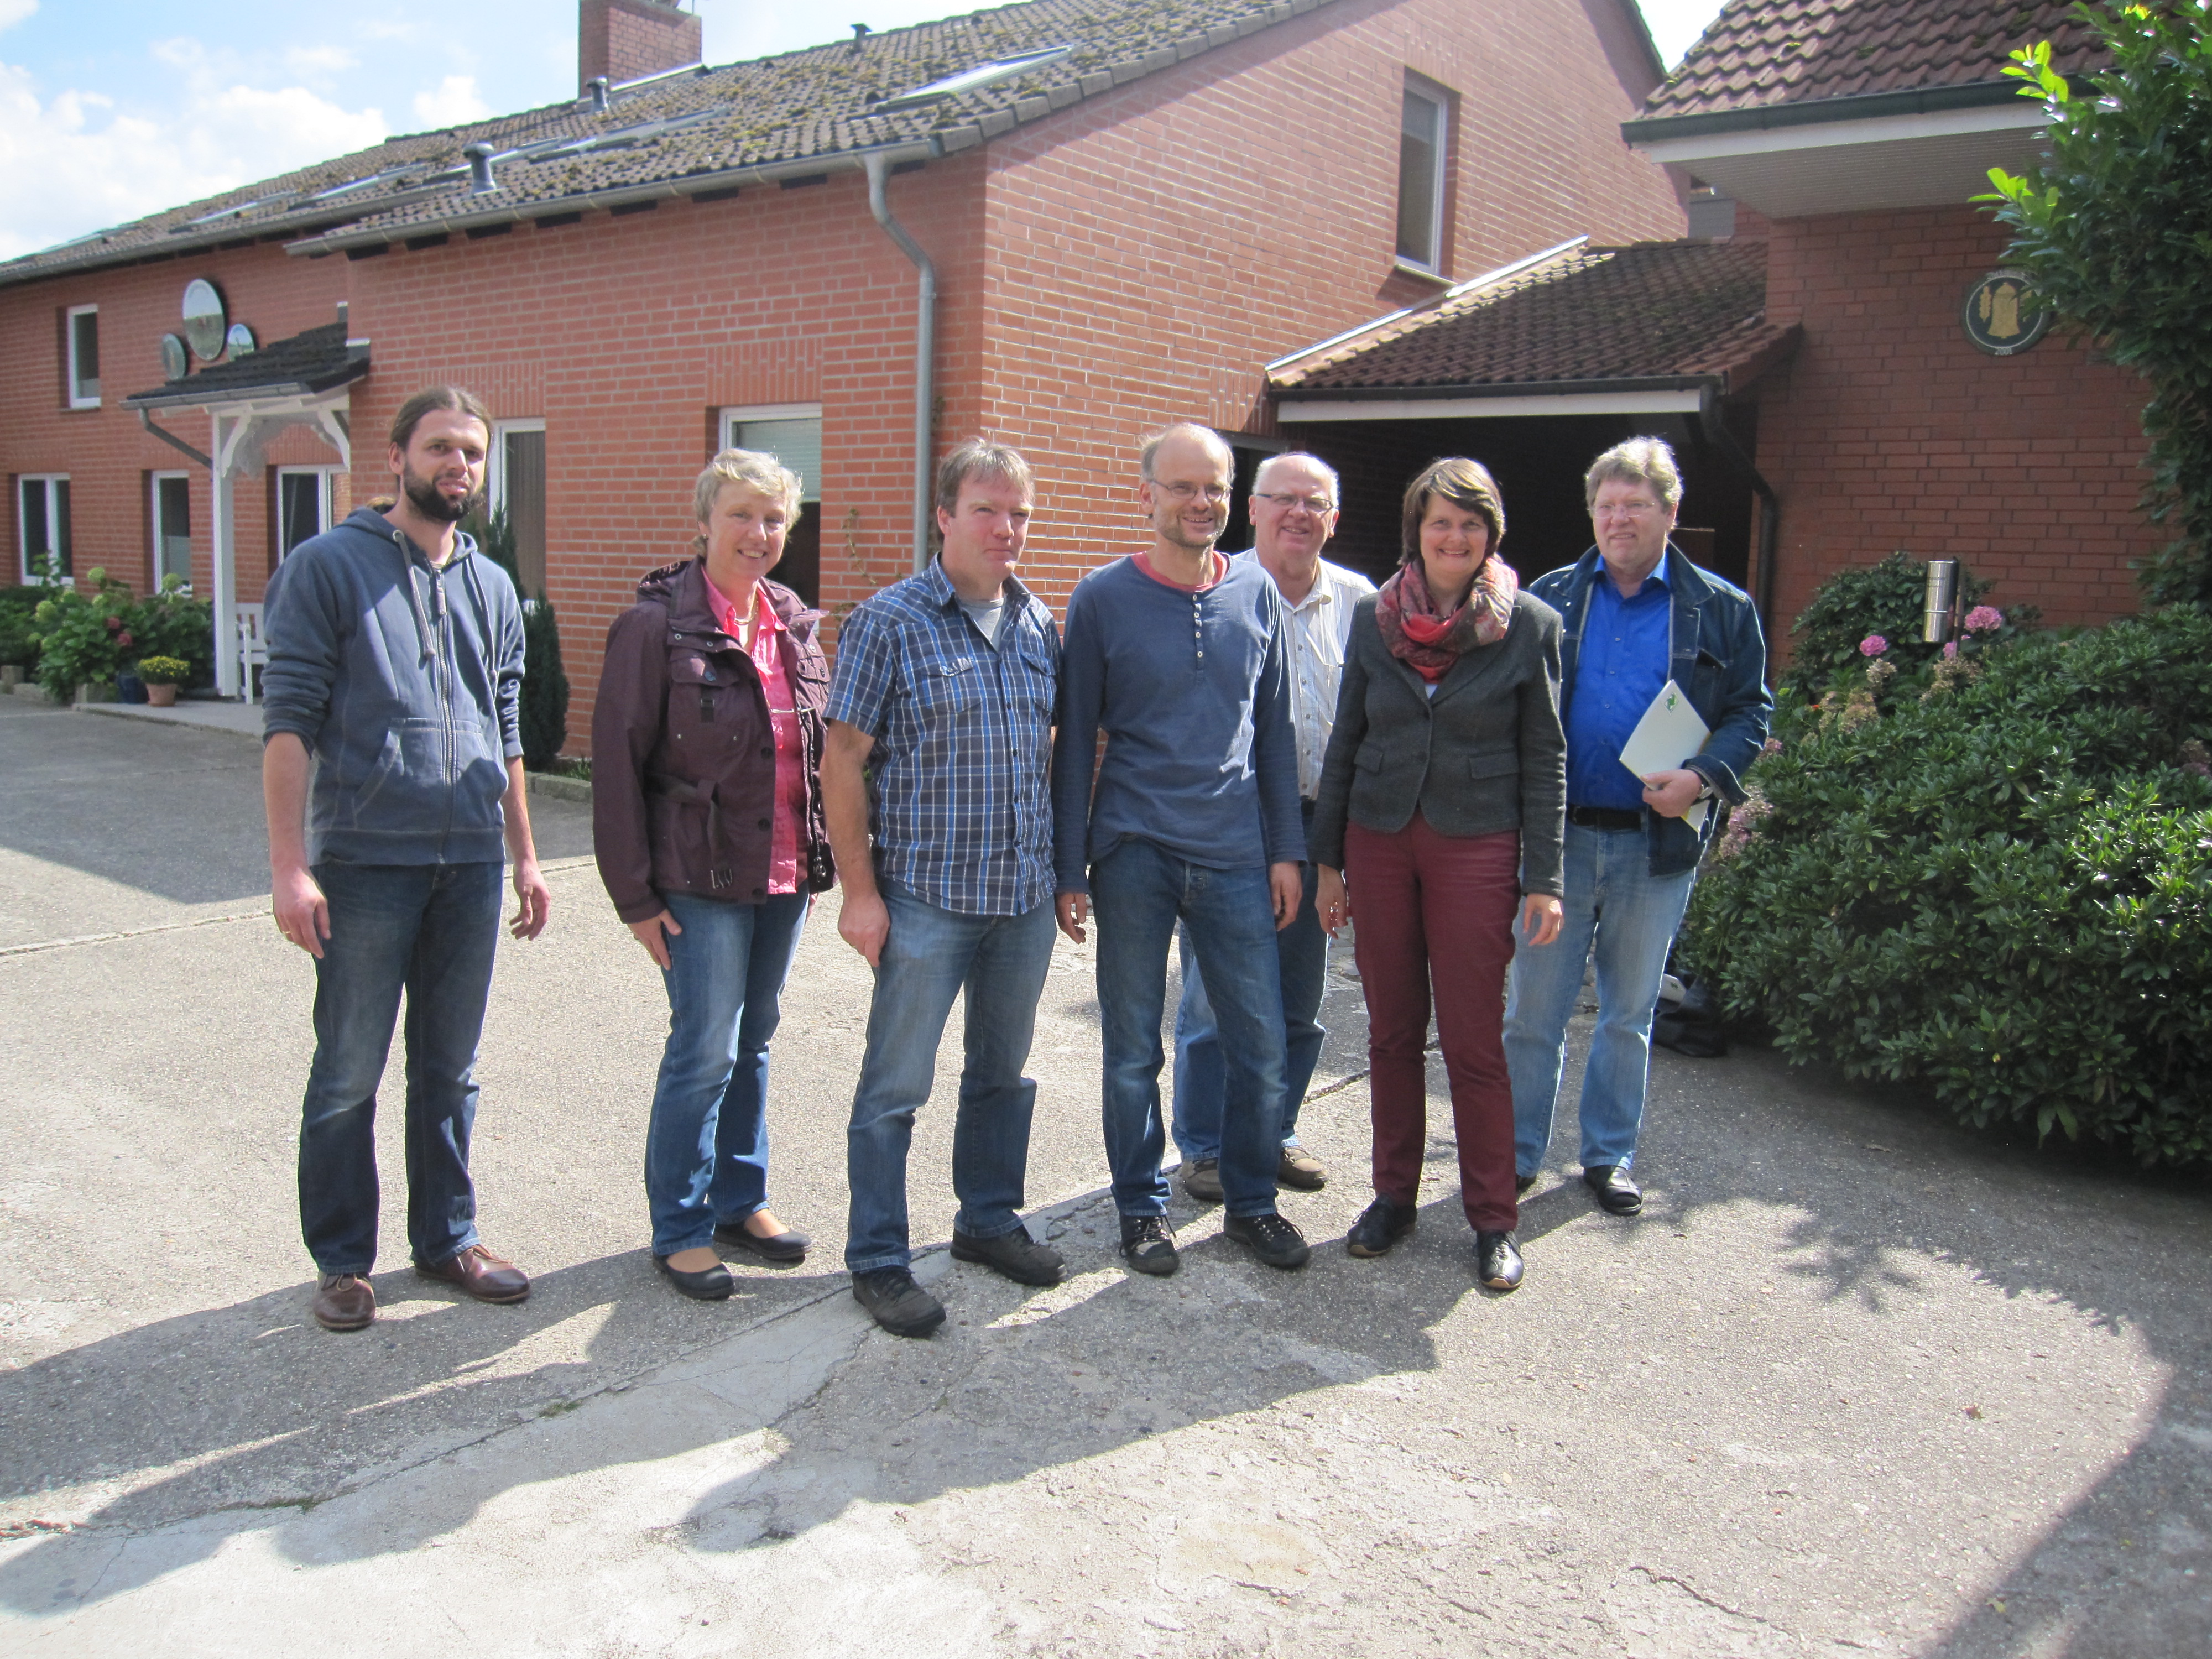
[
  {"x": 705, "y": 1146},
  {"x": 1302, "y": 961},
  {"x": 431, "y": 929},
  {"x": 931, "y": 956},
  {"x": 1618, "y": 911},
  {"x": 1140, "y": 892}
]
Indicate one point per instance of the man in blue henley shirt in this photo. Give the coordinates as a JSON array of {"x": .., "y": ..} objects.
[{"x": 1177, "y": 655}]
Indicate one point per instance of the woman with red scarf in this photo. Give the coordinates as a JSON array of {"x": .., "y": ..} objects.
[{"x": 1442, "y": 809}]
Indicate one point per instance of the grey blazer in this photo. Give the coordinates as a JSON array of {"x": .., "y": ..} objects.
[{"x": 1486, "y": 754}]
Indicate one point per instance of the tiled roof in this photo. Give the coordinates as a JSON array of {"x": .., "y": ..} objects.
[
  {"x": 315, "y": 360},
  {"x": 1761, "y": 54},
  {"x": 689, "y": 130},
  {"x": 1650, "y": 311}
]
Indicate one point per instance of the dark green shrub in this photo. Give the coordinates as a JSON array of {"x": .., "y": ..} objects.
[
  {"x": 1886, "y": 600},
  {"x": 19, "y": 638},
  {"x": 172, "y": 623},
  {"x": 84, "y": 633},
  {"x": 495, "y": 539},
  {"x": 544, "y": 708},
  {"x": 2000, "y": 888}
]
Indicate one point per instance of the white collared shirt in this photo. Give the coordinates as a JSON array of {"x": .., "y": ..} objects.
[{"x": 1320, "y": 628}]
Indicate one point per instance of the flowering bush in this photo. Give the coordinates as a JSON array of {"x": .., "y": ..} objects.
[
  {"x": 1984, "y": 619},
  {"x": 1872, "y": 646},
  {"x": 90, "y": 631},
  {"x": 1875, "y": 611},
  {"x": 164, "y": 670},
  {"x": 2000, "y": 891}
]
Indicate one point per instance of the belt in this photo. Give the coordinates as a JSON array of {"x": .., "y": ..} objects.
[{"x": 1605, "y": 818}]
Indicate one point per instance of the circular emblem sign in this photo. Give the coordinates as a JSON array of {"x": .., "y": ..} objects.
[
  {"x": 204, "y": 320},
  {"x": 2003, "y": 314},
  {"x": 239, "y": 340}
]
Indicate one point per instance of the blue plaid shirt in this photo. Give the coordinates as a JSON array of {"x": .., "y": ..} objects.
[{"x": 960, "y": 807}]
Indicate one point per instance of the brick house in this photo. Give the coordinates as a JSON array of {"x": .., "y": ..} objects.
[
  {"x": 1808, "y": 349},
  {"x": 1125, "y": 208}
]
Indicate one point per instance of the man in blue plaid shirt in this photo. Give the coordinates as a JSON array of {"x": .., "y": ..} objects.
[{"x": 935, "y": 777}]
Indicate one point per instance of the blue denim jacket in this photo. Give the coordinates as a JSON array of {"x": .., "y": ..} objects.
[{"x": 1720, "y": 660}]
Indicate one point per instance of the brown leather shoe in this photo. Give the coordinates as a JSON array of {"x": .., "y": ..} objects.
[
  {"x": 476, "y": 1272},
  {"x": 344, "y": 1301}
]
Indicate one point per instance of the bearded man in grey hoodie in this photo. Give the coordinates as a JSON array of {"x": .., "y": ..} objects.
[{"x": 392, "y": 772}]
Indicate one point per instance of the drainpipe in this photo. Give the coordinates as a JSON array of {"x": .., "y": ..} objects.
[
  {"x": 1717, "y": 433},
  {"x": 924, "y": 351}
]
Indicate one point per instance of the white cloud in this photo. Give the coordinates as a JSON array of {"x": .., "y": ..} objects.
[
  {"x": 453, "y": 101},
  {"x": 12, "y": 12},
  {"x": 312, "y": 62}
]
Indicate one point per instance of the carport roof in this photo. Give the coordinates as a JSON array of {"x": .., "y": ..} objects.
[
  {"x": 315, "y": 362},
  {"x": 1579, "y": 318}
]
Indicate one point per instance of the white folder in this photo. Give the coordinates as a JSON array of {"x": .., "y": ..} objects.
[{"x": 1670, "y": 731}]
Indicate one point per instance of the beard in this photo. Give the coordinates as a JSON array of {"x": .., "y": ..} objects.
[
  {"x": 434, "y": 505},
  {"x": 1171, "y": 528}
]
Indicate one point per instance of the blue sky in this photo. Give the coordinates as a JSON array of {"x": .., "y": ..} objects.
[{"x": 110, "y": 109}]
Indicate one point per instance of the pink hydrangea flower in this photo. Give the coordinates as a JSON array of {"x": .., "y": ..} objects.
[
  {"x": 1950, "y": 647},
  {"x": 1872, "y": 646},
  {"x": 1984, "y": 619}
]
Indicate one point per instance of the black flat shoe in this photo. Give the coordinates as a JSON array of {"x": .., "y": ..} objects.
[
  {"x": 1016, "y": 1255},
  {"x": 1498, "y": 1262},
  {"x": 709, "y": 1285},
  {"x": 1381, "y": 1225},
  {"x": 1617, "y": 1194},
  {"x": 784, "y": 1249},
  {"x": 1522, "y": 1184}
]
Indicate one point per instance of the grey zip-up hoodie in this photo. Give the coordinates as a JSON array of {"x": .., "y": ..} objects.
[{"x": 402, "y": 680}]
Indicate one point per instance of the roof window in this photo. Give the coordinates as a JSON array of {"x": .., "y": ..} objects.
[{"x": 974, "y": 80}]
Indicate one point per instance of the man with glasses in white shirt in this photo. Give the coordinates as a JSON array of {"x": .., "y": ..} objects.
[{"x": 1294, "y": 509}]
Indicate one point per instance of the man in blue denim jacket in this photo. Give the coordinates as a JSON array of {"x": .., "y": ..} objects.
[
  {"x": 392, "y": 771},
  {"x": 1635, "y": 614}
]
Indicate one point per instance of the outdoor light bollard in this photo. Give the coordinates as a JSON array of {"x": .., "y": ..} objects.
[{"x": 1942, "y": 586}]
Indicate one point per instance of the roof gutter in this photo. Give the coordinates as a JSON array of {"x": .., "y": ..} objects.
[
  {"x": 1819, "y": 112},
  {"x": 1492, "y": 389},
  {"x": 878, "y": 163}
]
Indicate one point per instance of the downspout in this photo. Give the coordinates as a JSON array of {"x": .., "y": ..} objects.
[
  {"x": 1717, "y": 434},
  {"x": 146, "y": 420},
  {"x": 924, "y": 351}
]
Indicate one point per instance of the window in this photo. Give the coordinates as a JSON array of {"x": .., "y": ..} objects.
[
  {"x": 42, "y": 524},
  {"x": 304, "y": 498},
  {"x": 793, "y": 433},
  {"x": 172, "y": 504},
  {"x": 1421, "y": 180},
  {"x": 518, "y": 488},
  {"x": 84, "y": 357}
]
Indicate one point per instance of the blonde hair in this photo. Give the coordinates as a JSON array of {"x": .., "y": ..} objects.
[
  {"x": 1638, "y": 460},
  {"x": 748, "y": 469}
]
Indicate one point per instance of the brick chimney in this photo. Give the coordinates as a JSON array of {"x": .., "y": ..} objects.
[{"x": 626, "y": 39}]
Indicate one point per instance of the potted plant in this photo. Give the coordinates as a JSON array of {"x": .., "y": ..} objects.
[{"x": 162, "y": 676}]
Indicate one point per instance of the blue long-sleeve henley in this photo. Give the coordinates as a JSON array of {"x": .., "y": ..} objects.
[{"x": 1193, "y": 692}]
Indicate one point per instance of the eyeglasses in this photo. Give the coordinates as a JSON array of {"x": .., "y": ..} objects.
[
  {"x": 1190, "y": 492},
  {"x": 1315, "y": 505},
  {"x": 1629, "y": 509}
]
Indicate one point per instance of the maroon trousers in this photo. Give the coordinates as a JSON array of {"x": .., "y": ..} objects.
[{"x": 1429, "y": 905}]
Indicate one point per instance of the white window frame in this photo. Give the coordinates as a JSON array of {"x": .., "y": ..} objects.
[
  {"x": 496, "y": 466},
  {"x": 326, "y": 505},
  {"x": 23, "y": 528},
  {"x": 1441, "y": 101},
  {"x": 76, "y": 399},
  {"x": 154, "y": 482},
  {"x": 738, "y": 414}
]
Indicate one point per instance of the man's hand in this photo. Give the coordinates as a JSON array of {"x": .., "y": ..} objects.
[
  {"x": 1074, "y": 909},
  {"x": 303, "y": 914},
  {"x": 652, "y": 933},
  {"x": 1286, "y": 884},
  {"x": 1670, "y": 794},
  {"x": 1332, "y": 902},
  {"x": 533, "y": 901},
  {"x": 1542, "y": 919},
  {"x": 865, "y": 922}
]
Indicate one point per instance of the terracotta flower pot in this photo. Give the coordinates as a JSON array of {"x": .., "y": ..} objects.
[{"x": 162, "y": 696}]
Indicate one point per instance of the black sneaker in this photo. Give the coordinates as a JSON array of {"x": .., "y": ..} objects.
[
  {"x": 895, "y": 1302},
  {"x": 1150, "y": 1244},
  {"x": 1016, "y": 1255},
  {"x": 1268, "y": 1237},
  {"x": 1498, "y": 1262},
  {"x": 1381, "y": 1225}
]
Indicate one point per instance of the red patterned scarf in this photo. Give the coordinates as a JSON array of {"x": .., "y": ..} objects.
[{"x": 1430, "y": 644}]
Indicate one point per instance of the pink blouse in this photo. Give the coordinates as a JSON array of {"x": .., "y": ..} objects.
[{"x": 783, "y": 871}]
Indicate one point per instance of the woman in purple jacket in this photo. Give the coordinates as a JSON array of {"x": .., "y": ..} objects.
[{"x": 707, "y": 822}]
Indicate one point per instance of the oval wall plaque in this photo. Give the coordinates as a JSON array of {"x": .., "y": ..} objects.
[{"x": 2003, "y": 314}]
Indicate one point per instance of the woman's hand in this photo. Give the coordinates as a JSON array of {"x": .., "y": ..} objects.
[
  {"x": 1331, "y": 902},
  {"x": 649, "y": 934},
  {"x": 1541, "y": 918}
]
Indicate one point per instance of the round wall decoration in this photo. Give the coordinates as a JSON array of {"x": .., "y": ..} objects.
[
  {"x": 206, "y": 319},
  {"x": 176, "y": 357},
  {"x": 240, "y": 341},
  {"x": 2002, "y": 314}
]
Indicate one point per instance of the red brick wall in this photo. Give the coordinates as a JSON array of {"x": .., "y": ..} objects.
[
  {"x": 105, "y": 452},
  {"x": 626, "y": 39},
  {"x": 1891, "y": 430},
  {"x": 1156, "y": 248}
]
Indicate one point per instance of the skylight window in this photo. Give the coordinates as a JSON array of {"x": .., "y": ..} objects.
[{"x": 984, "y": 75}]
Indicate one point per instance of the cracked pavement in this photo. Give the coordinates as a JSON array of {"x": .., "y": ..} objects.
[{"x": 1857, "y": 1383}]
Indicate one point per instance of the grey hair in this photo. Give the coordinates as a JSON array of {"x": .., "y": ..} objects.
[
  {"x": 1637, "y": 460},
  {"x": 1205, "y": 434},
  {"x": 1335, "y": 491},
  {"x": 749, "y": 470}
]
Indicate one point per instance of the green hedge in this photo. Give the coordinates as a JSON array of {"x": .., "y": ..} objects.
[{"x": 1991, "y": 877}]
